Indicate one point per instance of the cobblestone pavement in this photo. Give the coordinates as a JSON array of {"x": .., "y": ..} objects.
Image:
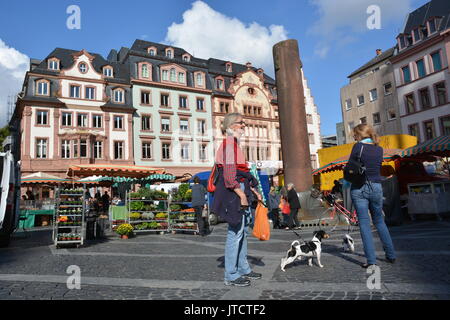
[{"x": 188, "y": 267}]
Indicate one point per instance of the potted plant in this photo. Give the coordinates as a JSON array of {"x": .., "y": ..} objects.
[{"x": 125, "y": 230}]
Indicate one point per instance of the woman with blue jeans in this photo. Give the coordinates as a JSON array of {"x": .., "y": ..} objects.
[
  {"x": 234, "y": 191},
  {"x": 370, "y": 195}
]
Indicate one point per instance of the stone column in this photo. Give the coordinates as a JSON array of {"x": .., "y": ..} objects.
[{"x": 292, "y": 114}]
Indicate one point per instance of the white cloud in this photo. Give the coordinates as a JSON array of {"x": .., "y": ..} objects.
[
  {"x": 206, "y": 33},
  {"x": 341, "y": 19},
  {"x": 13, "y": 66}
]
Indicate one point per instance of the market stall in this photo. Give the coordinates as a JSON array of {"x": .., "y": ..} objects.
[{"x": 431, "y": 195}]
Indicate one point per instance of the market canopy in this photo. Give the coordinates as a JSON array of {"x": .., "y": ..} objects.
[
  {"x": 42, "y": 178},
  {"x": 439, "y": 146},
  {"x": 339, "y": 163},
  {"x": 124, "y": 171}
]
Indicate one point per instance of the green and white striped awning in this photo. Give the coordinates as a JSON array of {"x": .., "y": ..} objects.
[{"x": 439, "y": 146}]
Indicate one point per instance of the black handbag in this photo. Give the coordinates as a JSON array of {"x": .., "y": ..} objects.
[{"x": 355, "y": 171}]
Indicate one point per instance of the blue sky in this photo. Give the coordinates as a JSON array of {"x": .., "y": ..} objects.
[{"x": 332, "y": 34}]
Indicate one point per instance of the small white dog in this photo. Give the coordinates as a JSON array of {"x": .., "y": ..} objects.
[
  {"x": 348, "y": 245},
  {"x": 308, "y": 249}
]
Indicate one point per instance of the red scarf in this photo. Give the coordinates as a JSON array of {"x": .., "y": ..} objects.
[{"x": 229, "y": 152}]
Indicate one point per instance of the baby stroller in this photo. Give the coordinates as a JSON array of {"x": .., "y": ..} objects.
[{"x": 336, "y": 211}]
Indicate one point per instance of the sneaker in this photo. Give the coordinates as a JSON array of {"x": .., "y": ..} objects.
[
  {"x": 392, "y": 261},
  {"x": 240, "y": 282},
  {"x": 252, "y": 276}
]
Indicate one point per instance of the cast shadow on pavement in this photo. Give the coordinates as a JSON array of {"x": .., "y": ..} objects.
[{"x": 257, "y": 261}]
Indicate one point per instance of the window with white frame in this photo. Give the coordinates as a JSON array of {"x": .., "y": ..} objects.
[
  {"x": 151, "y": 52},
  {"x": 146, "y": 150},
  {"x": 165, "y": 75},
  {"x": 181, "y": 77},
  {"x": 164, "y": 100},
  {"x": 360, "y": 100},
  {"x": 391, "y": 114},
  {"x": 145, "y": 97},
  {"x": 41, "y": 149},
  {"x": 53, "y": 64},
  {"x": 82, "y": 120},
  {"x": 97, "y": 149},
  {"x": 199, "y": 79},
  {"x": 118, "y": 122},
  {"x": 75, "y": 148},
  {"x": 201, "y": 127},
  {"x": 82, "y": 67},
  {"x": 184, "y": 125},
  {"x": 387, "y": 87},
  {"x": 200, "y": 104},
  {"x": 66, "y": 119},
  {"x": 166, "y": 151},
  {"x": 165, "y": 124},
  {"x": 65, "y": 149},
  {"x": 83, "y": 148},
  {"x": 373, "y": 94},
  {"x": 376, "y": 118},
  {"x": 146, "y": 123},
  {"x": 90, "y": 93},
  {"x": 144, "y": 71},
  {"x": 119, "y": 95},
  {"x": 183, "y": 102},
  {"x": 108, "y": 72},
  {"x": 97, "y": 121},
  {"x": 42, "y": 117},
  {"x": 219, "y": 84},
  {"x": 185, "y": 151},
  {"x": 173, "y": 75},
  {"x": 202, "y": 152},
  {"x": 169, "y": 54},
  {"x": 43, "y": 88},
  {"x": 118, "y": 150},
  {"x": 75, "y": 91}
]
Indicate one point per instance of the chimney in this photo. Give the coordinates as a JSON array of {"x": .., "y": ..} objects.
[{"x": 378, "y": 51}]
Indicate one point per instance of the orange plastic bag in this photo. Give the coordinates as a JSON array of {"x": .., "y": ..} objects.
[{"x": 261, "y": 229}]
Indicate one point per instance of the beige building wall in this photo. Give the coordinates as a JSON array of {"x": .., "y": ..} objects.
[{"x": 385, "y": 105}]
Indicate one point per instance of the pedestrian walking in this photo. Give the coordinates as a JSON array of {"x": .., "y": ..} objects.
[
  {"x": 285, "y": 210},
  {"x": 294, "y": 203},
  {"x": 370, "y": 194},
  {"x": 274, "y": 203},
  {"x": 105, "y": 203},
  {"x": 199, "y": 203},
  {"x": 231, "y": 201}
]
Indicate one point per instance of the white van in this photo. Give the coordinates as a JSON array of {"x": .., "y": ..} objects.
[{"x": 9, "y": 196}]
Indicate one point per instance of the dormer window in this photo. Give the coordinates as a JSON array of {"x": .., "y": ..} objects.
[
  {"x": 151, "y": 51},
  {"x": 53, "y": 64},
  {"x": 83, "y": 67},
  {"x": 186, "y": 58},
  {"x": 145, "y": 70},
  {"x": 260, "y": 71},
  {"x": 228, "y": 67},
  {"x": 401, "y": 42},
  {"x": 432, "y": 25},
  {"x": 108, "y": 72},
  {"x": 43, "y": 88},
  {"x": 119, "y": 96},
  {"x": 169, "y": 53},
  {"x": 199, "y": 82},
  {"x": 416, "y": 35},
  {"x": 219, "y": 84}
]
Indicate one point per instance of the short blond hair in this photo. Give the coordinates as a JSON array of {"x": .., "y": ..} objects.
[{"x": 229, "y": 119}]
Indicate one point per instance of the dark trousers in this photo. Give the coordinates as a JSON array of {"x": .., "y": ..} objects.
[
  {"x": 273, "y": 215},
  {"x": 293, "y": 218},
  {"x": 200, "y": 220}
]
